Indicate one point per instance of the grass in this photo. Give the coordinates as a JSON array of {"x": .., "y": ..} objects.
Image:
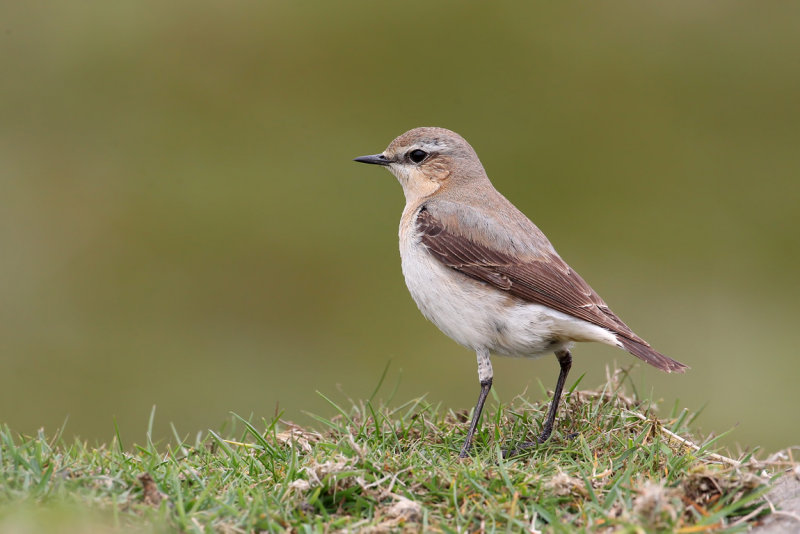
[{"x": 380, "y": 468}]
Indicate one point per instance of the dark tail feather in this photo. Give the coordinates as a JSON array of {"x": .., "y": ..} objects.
[{"x": 656, "y": 359}]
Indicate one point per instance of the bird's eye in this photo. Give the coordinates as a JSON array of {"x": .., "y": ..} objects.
[{"x": 417, "y": 155}]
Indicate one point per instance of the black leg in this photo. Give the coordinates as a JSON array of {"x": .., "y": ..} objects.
[
  {"x": 486, "y": 385},
  {"x": 565, "y": 361}
]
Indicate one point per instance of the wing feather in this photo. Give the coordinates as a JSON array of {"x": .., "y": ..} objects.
[
  {"x": 545, "y": 280},
  {"x": 548, "y": 281}
]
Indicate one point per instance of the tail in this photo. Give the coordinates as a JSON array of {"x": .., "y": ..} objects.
[{"x": 656, "y": 359}]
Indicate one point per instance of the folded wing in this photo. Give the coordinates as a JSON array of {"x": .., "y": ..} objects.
[{"x": 547, "y": 280}]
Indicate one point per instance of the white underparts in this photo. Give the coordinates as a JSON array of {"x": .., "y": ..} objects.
[
  {"x": 484, "y": 366},
  {"x": 484, "y": 318}
]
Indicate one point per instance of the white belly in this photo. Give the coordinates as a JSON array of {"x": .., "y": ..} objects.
[{"x": 479, "y": 316}]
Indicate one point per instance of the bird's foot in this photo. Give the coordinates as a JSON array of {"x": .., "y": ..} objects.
[
  {"x": 527, "y": 445},
  {"x": 520, "y": 449}
]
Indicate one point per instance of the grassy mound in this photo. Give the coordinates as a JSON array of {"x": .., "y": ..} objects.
[{"x": 610, "y": 465}]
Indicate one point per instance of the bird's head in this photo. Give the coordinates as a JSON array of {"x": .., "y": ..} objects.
[{"x": 425, "y": 160}]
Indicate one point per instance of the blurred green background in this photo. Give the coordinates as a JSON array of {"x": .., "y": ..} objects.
[{"x": 181, "y": 223}]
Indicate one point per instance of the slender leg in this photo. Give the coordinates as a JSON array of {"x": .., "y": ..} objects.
[
  {"x": 485, "y": 376},
  {"x": 565, "y": 361}
]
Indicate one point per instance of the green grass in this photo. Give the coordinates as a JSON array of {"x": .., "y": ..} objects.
[{"x": 391, "y": 468}]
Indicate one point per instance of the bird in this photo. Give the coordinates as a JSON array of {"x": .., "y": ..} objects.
[{"x": 485, "y": 275}]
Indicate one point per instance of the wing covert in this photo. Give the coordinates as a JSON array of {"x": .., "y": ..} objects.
[{"x": 548, "y": 281}]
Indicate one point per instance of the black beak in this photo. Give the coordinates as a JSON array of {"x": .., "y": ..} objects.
[{"x": 377, "y": 159}]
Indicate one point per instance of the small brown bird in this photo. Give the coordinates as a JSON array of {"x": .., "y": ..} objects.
[{"x": 483, "y": 273}]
